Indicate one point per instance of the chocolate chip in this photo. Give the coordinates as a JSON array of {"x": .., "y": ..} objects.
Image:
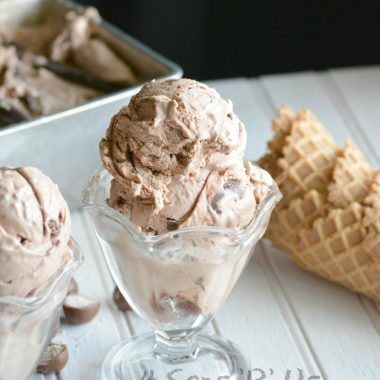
[
  {"x": 177, "y": 303},
  {"x": 121, "y": 201},
  {"x": 214, "y": 202},
  {"x": 79, "y": 310},
  {"x": 73, "y": 287},
  {"x": 188, "y": 306},
  {"x": 172, "y": 224},
  {"x": 54, "y": 228},
  {"x": 120, "y": 301},
  {"x": 234, "y": 185},
  {"x": 9, "y": 115},
  {"x": 21, "y": 239},
  {"x": 54, "y": 359}
]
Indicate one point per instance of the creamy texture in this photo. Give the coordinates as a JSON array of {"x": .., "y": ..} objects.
[
  {"x": 180, "y": 284},
  {"x": 32, "y": 89},
  {"x": 39, "y": 66},
  {"x": 35, "y": 228},
  {"x": 77, "y": 43},
  {"x": 176, "y": 155}
]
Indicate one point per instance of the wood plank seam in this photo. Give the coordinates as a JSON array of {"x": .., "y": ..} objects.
[
  {"x": 290, "y": 317},
  {"x": 372, "y": 310},
  {"x": 303, "y": 345},
  {"x": 348, "y": 115}
]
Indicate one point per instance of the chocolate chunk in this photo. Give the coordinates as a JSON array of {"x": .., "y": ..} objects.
[
  {"x": 9, "y": 115},
  {"x": 175, "y": 304},
  {"x": 187, "y": 305},
  {"x": 79, "y": 310},
  {"x": 21, "y": 239},
  {"x": 172, "y": 224},
  {"x": 73, "y": 287},
  {"x": 54, "y": 228},
  {"x": 121, "y": 201},
  {"x": 54, "y": 359},
  {"x": 32, "y": 103},
  {"x": 233, "y": 184},
  {"x": 120, "y": 301},
  {"x": 214, "y": 202}
]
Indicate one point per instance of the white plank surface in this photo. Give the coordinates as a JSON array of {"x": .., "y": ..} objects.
[{"x": 282, "y": 317}]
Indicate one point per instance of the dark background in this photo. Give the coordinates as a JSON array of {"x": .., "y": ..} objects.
[{"x": 214, "y": 39}]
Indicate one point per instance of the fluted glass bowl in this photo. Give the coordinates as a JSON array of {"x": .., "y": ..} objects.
[
  {"x": 27, "y": 323},
  {"x": 176, "y": 281}
]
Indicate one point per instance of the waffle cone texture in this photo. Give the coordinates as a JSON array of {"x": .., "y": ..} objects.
[{"x": 329, "y": 218}]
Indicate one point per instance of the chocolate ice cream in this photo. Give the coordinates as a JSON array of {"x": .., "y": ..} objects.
[
  {"x": 176, "y": 156},
  {"x": 56, "y": 64},
  {"x": 34, "y": 230},
  {"x": 78, "y": 43}
]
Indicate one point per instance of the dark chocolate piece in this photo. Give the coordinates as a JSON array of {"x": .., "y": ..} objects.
[
  {"x": 172, "y": 224},
  {"x": 9, "y": 115},
  {"x": 214, "y": 202}
]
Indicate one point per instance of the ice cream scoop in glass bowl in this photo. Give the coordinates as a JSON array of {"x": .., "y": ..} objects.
[
  {"x": 26, "y": 323},
  {"x": 177, "y": 212},
  {"x": 37, "y": 260},
  {"x": 176, "y": 281}
]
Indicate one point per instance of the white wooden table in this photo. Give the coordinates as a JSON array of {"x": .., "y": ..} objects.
[{"x": 291, "y": 324}]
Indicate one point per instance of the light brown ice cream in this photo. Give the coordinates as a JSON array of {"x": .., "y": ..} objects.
[
  {"x": 34, "y": 230},
  {"x": 176, "y": 155},
  {"x": 77, "y": 43},
  {"x": 55, "y": 63},
  {"x": 33, "y": 90}
]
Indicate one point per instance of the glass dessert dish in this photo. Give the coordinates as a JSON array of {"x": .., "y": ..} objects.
[
  {"x": 176, "y": 281},
  {"x": 27, "y": 323}
]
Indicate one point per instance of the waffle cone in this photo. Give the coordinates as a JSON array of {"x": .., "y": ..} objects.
[
  {"x": 329, "y": 218},
  {"x": 301, "y": 154},
  {"x": 333, "y": 248},
  {"x": 351, "y": 178},
  {"x": 299, "y": 213},
  {"x": 372, "y": 218},
  {"x": 308, "y": 159},
  {"x": 281, "y": 126}
]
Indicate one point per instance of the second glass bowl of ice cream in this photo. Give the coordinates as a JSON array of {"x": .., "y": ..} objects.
[
  {"x": 37, "y": 260},
  {"x": 27, "y": 323}
]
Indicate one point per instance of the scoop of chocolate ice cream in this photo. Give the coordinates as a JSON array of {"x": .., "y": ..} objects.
[
  {"x": 176, "y": 155},
  {"x": 34, "y": 230}
]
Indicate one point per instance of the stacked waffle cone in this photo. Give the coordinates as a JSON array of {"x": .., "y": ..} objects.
[{"x": 329, "y": 218}]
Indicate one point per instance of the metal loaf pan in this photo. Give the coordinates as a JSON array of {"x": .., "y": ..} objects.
[{"x": 64, "y": 145}]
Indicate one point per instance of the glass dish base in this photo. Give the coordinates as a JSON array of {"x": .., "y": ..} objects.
[{"x": 214, "y": 358}]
